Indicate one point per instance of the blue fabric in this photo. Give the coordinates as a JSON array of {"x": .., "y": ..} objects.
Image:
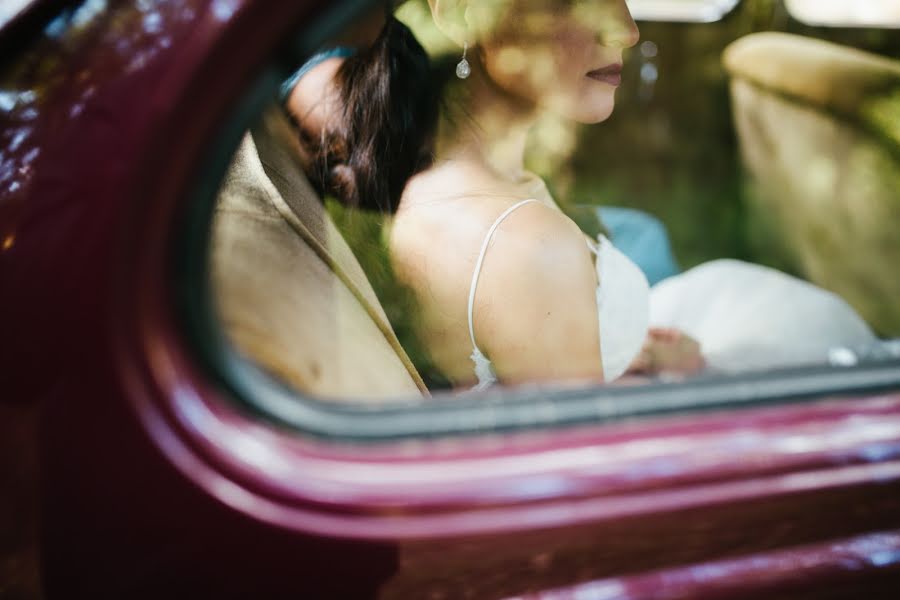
[
  {"x": 642, "y": 238},
  {"x": 287, "y": 86}
]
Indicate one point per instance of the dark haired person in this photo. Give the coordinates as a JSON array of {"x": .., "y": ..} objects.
[
  {"x": 366, "y": 115},
  {"x": 287, "y": 289}
]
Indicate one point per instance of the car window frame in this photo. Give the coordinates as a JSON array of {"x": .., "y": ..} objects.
[{"x": 496, "y": 410}]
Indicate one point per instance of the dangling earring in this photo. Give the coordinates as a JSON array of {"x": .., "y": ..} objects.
[{"x": 463, "y": 70}]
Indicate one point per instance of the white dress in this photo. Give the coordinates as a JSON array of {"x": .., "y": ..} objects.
[
  {"x": 749, "y": 317},
  {"x": 745, "y": 316}
]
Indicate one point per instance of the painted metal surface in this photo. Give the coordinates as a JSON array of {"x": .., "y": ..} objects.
[
  {"x": 153, "y": 482},
  {"x": 852, "y": 566}
]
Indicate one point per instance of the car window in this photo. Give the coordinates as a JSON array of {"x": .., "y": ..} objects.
[
  {"x": 12, "y": 8},
  {"x": 689, "y": 11},
  {"x": 841, "y": 13},
  {"x": 757, "y": 200}
]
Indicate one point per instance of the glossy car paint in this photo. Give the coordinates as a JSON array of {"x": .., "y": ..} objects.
[{"x": 155, "y": 483}]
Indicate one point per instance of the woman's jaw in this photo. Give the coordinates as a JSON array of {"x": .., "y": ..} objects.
[
  {"x": 562, "y": 57},
  {"x": 582, "y": 89},
  {"x": 496, "y": 123}
]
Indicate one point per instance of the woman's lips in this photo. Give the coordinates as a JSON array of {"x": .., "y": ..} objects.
[{"x": 611, "y": 74}]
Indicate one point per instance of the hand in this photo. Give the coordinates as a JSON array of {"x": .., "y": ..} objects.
[{"x": 668, "y": 350}]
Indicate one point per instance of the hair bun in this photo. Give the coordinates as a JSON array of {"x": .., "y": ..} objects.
[
  {"x": 387, "y": 130},
  {"x": 342, "y": 184}
]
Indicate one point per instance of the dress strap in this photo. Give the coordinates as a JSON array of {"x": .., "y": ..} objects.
[{"x": 477, "y": 272}]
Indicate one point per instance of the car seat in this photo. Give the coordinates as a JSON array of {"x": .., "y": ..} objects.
[{"x": 819, "y": 132}]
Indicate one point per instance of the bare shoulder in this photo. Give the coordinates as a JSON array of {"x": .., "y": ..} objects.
[
  {"x": 536, "y": 299},
  {"x": 463, "y": 198},
  {"x": 447, "y": 212},
  {"x": 540, "y": 252},
  {"x": 535, "y": 310}
]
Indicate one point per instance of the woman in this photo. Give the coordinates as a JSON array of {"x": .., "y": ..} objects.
[{"x": 508, "y": 287}]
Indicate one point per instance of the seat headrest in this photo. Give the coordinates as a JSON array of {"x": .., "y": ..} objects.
[{"x": 853, "y": 84}]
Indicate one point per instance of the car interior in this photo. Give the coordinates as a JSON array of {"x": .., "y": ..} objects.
[{"x": 764, "y": 131}]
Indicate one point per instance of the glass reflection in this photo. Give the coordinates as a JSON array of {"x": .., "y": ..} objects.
[
  {"x": 573, "y": 211},
  {"x": 41, "y": 82},
  {"x": 691, "y": 11},
  {"x": 844, "y": 13},
  {"x": 10, "y": 8}
]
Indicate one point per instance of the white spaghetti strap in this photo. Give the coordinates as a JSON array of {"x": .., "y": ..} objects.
[{"x": 477, "y": 272}]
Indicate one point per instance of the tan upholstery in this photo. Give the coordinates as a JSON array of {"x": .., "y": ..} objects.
[
  {"x": 819, "y": 130},
  {"x": 288, "y": 289}
]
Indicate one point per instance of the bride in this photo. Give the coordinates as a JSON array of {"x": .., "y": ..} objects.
[{"x": 508, "y": 288}]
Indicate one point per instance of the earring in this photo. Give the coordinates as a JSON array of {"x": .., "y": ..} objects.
[{"x": 463, "y": 70}]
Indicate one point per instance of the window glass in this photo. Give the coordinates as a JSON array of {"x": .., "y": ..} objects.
[
  {"x": 11, "y": 8},
  {"x": 533, "y": 211},
  {"x": 696, "y": 11},
  {"x": 847, "y": 13}
]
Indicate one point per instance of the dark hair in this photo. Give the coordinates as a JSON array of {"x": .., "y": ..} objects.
[{"x": 387, "y": 132}]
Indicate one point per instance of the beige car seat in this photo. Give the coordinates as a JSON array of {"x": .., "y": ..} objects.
[
  {"x": 819, "y": 131},
  {"x": 287, "y": 288}
]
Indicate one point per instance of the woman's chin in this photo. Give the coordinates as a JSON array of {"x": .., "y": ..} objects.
[
  {"x": 589, "y": 110},
  {"x": 597, "y": 116},
  {"x": 590, "y": 115}
]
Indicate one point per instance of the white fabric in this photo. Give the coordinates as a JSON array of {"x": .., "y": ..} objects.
[
  {"x": 749, "y": 317},
  {"x": 745, "y": 316},
  {"x": 623, "y": 308},
  {"x": 622, "y": 298}
]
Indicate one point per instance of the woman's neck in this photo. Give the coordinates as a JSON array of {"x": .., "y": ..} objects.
[{"x": 494, "y": 128}]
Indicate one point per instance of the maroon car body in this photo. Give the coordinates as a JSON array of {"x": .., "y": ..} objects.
[{"x": 154, "y": 482}]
